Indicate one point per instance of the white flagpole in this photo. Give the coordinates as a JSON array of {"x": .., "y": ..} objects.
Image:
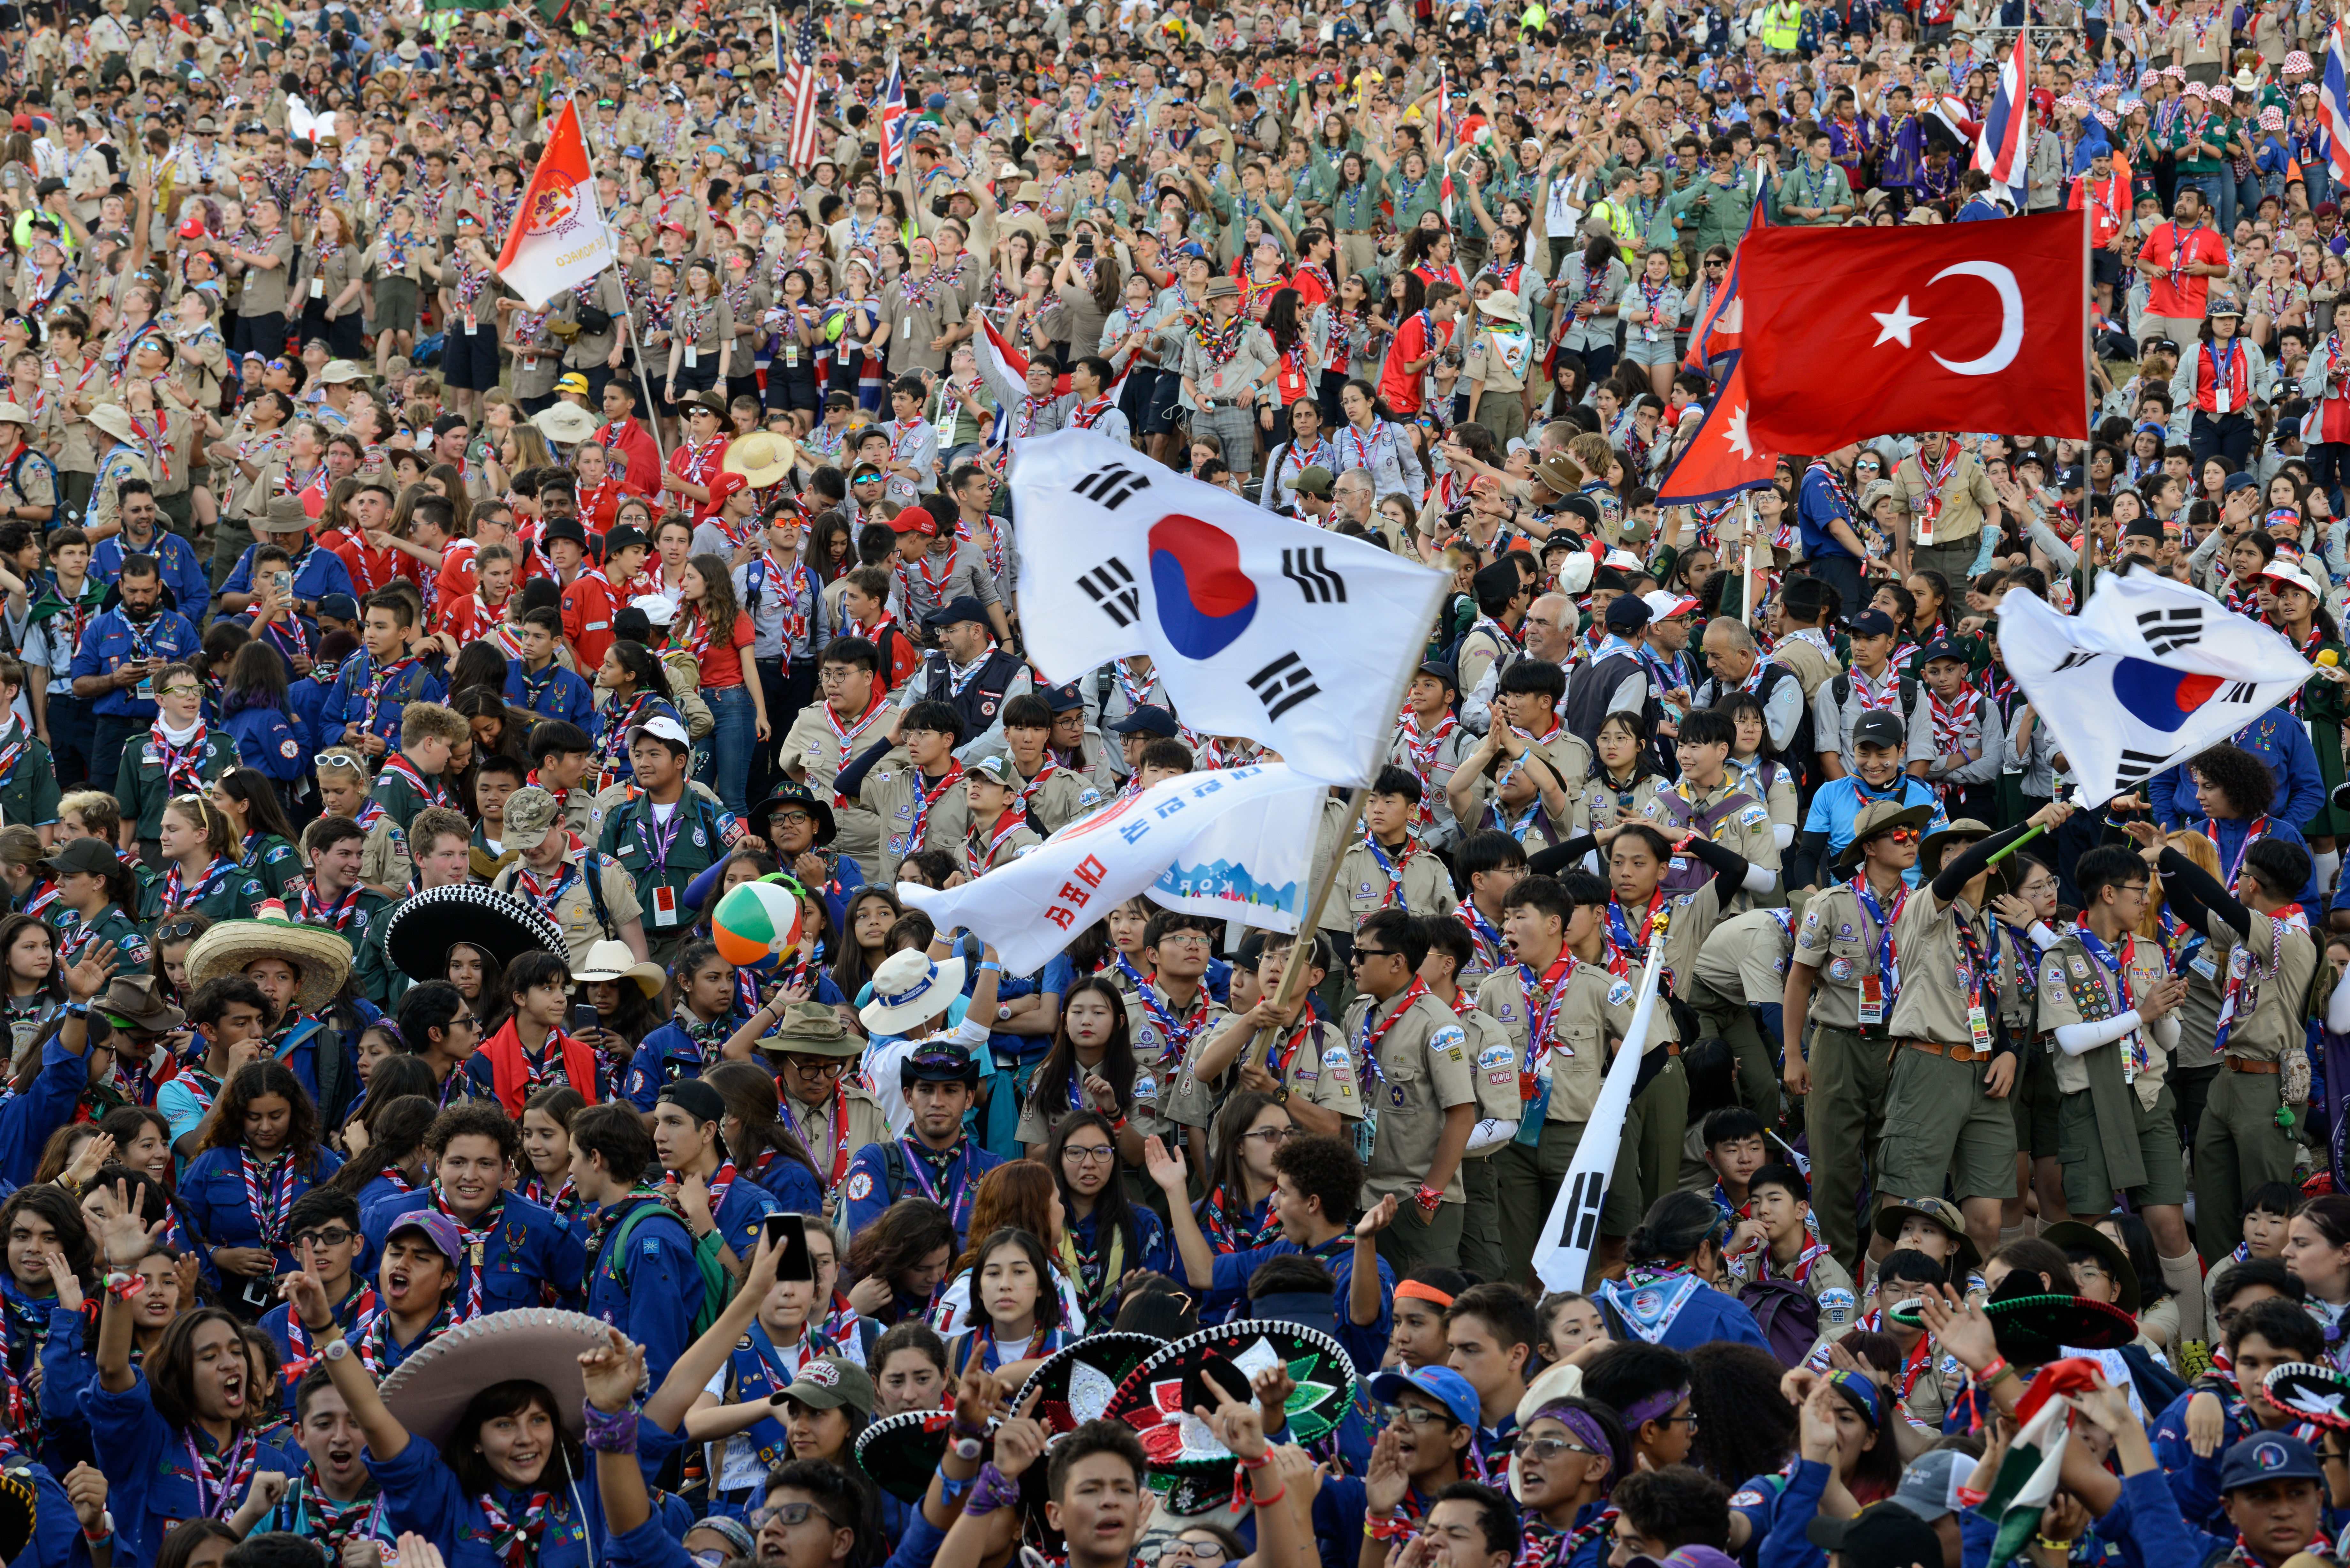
[
  {"x": 652, "y": 411},
  {"x": 1563, "y": 1257},
  {"x": 1746, "y": 539}
]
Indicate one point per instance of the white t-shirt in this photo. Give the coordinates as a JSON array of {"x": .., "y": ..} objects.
[{"x": 953, "y": 1315}]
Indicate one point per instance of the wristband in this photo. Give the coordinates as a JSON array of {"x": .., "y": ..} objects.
[
  {"x": 613, "y": 1432},
  {"x": 2045, "y": 1544},
  {"x": 992, "y": 1489},
  {"x": 1118, "y": 1126},
  {"x": 1257, "y": 1463},
  {"x": 1386, "y": 1529},
  {"x": 124, "y": 1285},
  {"x": 954, "y": 1488},
  {"x": 1428, "y": 1198},
  {"x": 105, "y": 1530}
]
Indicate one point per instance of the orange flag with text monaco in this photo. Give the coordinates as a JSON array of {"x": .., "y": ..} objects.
[
  {"x": 1852, "y": 333},
  {"x": 559, "y": 237}
]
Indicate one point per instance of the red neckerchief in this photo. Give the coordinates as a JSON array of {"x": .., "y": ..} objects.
[
  {"x": 847, "y": 738},
  {"x": 976, "y": 860},
  {"x": 925, "y": 798}
]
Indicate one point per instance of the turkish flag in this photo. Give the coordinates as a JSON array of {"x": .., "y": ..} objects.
[
  {"x": 1853, "y": 333},
  {"x": 1721, "y": 459}
]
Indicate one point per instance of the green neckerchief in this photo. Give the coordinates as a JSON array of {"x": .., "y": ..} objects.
[{"x": 53, "y": 602}]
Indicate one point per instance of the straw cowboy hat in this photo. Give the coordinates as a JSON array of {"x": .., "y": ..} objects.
[
  {"x": 321, "y": 959},
  {"x": 611, "y": 960},
  {"x": 423, "y": 927},
  {"x": 566, "y": 424},
  {"x": 428, "y": 1392},
  {"x": 762, "y": 458},
  {"x": 909, "y": 989}
]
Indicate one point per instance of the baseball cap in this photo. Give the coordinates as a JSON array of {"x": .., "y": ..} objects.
[
  {"x": 727, "y": 484},
  {"x": 915, "y": 520},
  {"x": 1147, "y": 720},
  {"x": 1626, "y": 613},
  {"x": 438, "y": 1228},
  {"x": 829, "y": 1382},
  {"x": 1878, "y": 730},
  {"x": 963, "y": 607},
  {"x": 83, "y": 857},
  {"x": 996, "y": 770},
  {"x": 1441, "y": 1384},
  {"x": 2269, "y": 1457},
  {"x": 1663, "y": 606},
  {"x": 1882, "y": 1535},
  {"x": 2236, "y": 482},
  {"x": 530, "y": 812},
  {"x": 1870, "y": 623},
  {"x": 661, "y": 727},
  {"x": 1940, "y": 648},
  {"x": 1930, "y": 1486},
  {"x": 339, "y": 606},
  {"x": 692, "y": 1096}
]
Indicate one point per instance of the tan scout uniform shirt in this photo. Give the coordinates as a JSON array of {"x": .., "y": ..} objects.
[
  {"x": 1311, "y": 1062},
  {"x": 1746, "y": 830},
  {"x": 1929, "y": 1004},
  {"x": 1746, "y": 957},
  {"x": 1058, "y": 796},
  {"x": 979, "y": 858},
  {"x": 1836, "y": 938},
  {"x": 816, "y": 755},
  {"x": 1363, "y": 884},
  {"x": 868, "y": 1123},
  {"x": 573, "y": 909},
  {"x": 1160, "y": 1067},
  {"x": 1424, "y": 1071},
  {"x": 2280, "y": 963},
  {"x": 1596, "y": 1009},
  {"x": 1967, "y": 499},
  {"x": 1610, "y": 806},
  {"x": 890, "y": 793},
  {"x": 1691, "y": 919},
  {"x": 2070, "y": 963}
]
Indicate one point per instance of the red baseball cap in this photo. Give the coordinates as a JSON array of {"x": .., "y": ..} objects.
[
  {"x": 726, "y": 485},
  {"x": 915, "y": 520}
]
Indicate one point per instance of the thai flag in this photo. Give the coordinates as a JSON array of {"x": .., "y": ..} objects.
[
  {"x": 2333, "y": 101},
  {"x": 2002, "y": 150},
  {"x": 897, "y": 125}
]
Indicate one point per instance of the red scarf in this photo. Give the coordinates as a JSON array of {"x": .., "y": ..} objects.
[{"x": 510, "y": 1074}]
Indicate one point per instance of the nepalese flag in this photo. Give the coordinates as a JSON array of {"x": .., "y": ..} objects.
[
  {"x": 2005, "y": 141},
  {"x": 1717, "y": 330},
  {"x": 2333, "y": 99},
  {"x": 2027, "y": 1476},
  {"x": 897, "y": 125},
  {"x": 1722, "y": 457}
]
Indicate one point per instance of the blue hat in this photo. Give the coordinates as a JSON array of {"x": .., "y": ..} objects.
[
  {"x": 1870, "y": 623},
  {"x": 936, "y": 100},
  {"x": 2235, "y": 481},
  {"x": 441, "y": 1231},
  {"x": 1441, "y": 1384},
  {"x": 1062, "y": 698},
  {"x": 1941, "y": 648},
  {"x": 963, "y": 607},
  {"x": 2268, "y": 1456},
  {"x": 1147, "y": 720},
  {"x": 632, "y": 152}
]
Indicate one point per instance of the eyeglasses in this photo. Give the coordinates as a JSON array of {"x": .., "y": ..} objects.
[
  {"x": 1551, "y": 1448},
  {"x": 1677, "y": 1421},
  {"x": 1089, "y": 1154},
  {"x": 180, "y": 690},
  {"x": 1184, "y": 939},
  {"x": 1421, "y": 1416},
  {"x": 823, "y": 1066},
  {"x": 788, "y": 1514},
  {"x": 1197, "y": 1551},
  {"x": 1274, "y": 1136},
  {"x": 328, "y": 1238}
]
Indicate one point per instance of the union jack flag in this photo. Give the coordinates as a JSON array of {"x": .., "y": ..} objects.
[
  {"x": 799, "y": 91},
  {"x": 897, "y": 125}
]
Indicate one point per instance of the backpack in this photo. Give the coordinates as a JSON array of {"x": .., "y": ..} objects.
[
  {"x": 717, "y": 1284},
  {"x": 1788, "y": 1316}
]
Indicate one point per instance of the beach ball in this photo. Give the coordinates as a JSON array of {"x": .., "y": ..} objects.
[{"x": 757, "y": 920}]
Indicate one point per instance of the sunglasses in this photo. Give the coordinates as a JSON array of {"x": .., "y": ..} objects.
[{"x": 1900, "y": 835}]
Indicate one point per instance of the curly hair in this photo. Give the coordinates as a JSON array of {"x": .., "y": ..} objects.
[
  {"x": 907, "y": 1232},
  {"x": 224, "y": 1128},
  {"x": 1744, "y": 1425},
  {"x": 1016, "y": 1196},
  {"x": 2243, "y": 777}
]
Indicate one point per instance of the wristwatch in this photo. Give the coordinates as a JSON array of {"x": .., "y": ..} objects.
[
  {"x": 336, "y": 1348},
  {"x": 1281, "y": 1095},
  {"x": 966, "y": 1448}
]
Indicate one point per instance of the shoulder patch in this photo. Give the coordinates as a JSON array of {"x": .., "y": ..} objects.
[
  {"x": 1619, "y": 992},
  {"x": 1749, "y": 1498},
  {"x": 860, "y": 1186},
  {"x": 1449, "y": 1040}
]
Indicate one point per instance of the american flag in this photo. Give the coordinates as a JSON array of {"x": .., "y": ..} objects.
[
  {"x": 799, "y": 88},
  {"x": 897, "y": 125}
]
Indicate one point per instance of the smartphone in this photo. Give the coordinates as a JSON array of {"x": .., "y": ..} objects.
[
  {"x": 793, "y": 1259},
  {"x": 284, "y": 582},
  {"x": 585, "y": 1019}
]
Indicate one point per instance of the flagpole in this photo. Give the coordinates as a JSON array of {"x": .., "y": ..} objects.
[
  {"x": 627, "y": 315},
  {"x": 1746, "y": 539}
]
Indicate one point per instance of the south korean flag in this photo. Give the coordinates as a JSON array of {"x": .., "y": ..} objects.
[{"x": 2149, "y": 674}]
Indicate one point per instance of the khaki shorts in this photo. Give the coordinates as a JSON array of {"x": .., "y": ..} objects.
[
  {"x": 2088, "y": 1187},
  {"x": 1938, "y": 1122}
]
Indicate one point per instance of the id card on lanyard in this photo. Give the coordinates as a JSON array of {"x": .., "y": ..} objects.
[{"x": 658, "y": 842}]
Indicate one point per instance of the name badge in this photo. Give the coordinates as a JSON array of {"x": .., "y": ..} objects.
[
  {"x": 791, "y": 356},
  {"x": 692, "y": 357},
  {"x": 1872, "y": 998},
  {"x": 317, "y": 289},
  {"x": 470, "y": 323},
  {"x": 664, "y": 905}
]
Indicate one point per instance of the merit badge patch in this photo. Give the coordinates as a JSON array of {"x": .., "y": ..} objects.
[{"x": 860, "y": 1186}]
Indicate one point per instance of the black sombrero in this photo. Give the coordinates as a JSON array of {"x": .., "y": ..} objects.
[
  {"x": 2031, "y": 1331},
  {"x": 1079, "y": 1381},
  {"x": 2318, "y": 1394},
  {"x": 1158, "y": 1396},
  {"x": 20, "y": 1507},
  {"x": 901, "y": 1452},
  {"x": 421, "y": 930}
]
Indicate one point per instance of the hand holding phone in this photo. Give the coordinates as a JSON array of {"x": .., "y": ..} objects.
[{"x": 787, "y": 1233}]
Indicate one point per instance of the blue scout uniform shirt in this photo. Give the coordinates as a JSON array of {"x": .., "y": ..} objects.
[
  {"x": 48, "y": 1104},
  {"x": 213, "y": 1191},
  {"x": 866, "y": 1186},
  {"x": 295, "y": 1045},
  {"x": 111, "y": 640},
  {"x": 2278, "y": 739},
  {"x": 1815, "y": 505},
  {"x": 347, "y": 703},
  {"x": 554, "y": 692},
  {"x": 1367, "y": 1342},
  {"x": 1680, "y": 1313},
  {"x": 667, "y": 1053},
  {"x": 68, "y": 1354},
  {"x": 422, "y": 1494},
  {"x": 56, "y": 1533},
  {"x": 353, "y": 1312},
  {"x": 739, "y": 1214},
  {"x": 184, "y": 577},
  {"x": 272, "y": 740},
  {"x": 151, "y": 1466},
  {"x": 794, "y": 1186},
  {"x": 317, "y": 573},
  {"x": 652, "y": 1294},
  {"x": 527, "y": 1246},
  {"x": 305, "y": 703},
  {"x": 2195, "y": 1480}
]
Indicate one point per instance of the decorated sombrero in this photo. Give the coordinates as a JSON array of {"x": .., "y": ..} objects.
[
  {"x": 1157, "y": 1397},
  {"x": 19, "y": 1507},
  {"x": 2031, "y": 1331},
  {"x": 424, "y": 927},
  {"x": 901, "y": 1452},
  {"x": 430, "y": 1389},
  {"x": 321, "y": 959},
  {"x": 1079, "y": 1381},
  {"x": 2318, "y": 1394}
]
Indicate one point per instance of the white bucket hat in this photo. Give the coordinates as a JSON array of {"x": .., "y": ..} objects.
[{"x": 910, "y": 990}]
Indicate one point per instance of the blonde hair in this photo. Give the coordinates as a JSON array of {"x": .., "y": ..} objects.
[
  {"x": 2195, "y": 847},
  {"x": 100, "y": 812},
  {"x": 431, "y": 721},
  {"x": 220, "y": 833}
]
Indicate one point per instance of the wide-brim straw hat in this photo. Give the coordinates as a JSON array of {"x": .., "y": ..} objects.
[
  {"x": 566, "y": 424},
  {"x": 611, "y": 960},
  {"x": 428, "y": 1392},
  {"x": 321, "y": 959}
]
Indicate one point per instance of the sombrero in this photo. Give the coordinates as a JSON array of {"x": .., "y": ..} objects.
[
  {"x": 424, "y": 927},
  {"x": 1158, "y": 1396},
  {"x": 321, "y": 959},
  {"x": 2031, "y": 1331},
  {"x": 1079, "y": 1381},
  {"x": 20, "y": 1505},
  {"x": 430, "y": 1389},
  {"x": 763, "y": 457},
  {"x": 2316, "y": 1394},
  {"x": 901, "y": 1452}
]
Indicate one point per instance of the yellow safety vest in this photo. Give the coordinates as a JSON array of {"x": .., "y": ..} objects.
[
  {"x": 1782, "y": 25},
  {"x": 1620, "y": 222}
]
